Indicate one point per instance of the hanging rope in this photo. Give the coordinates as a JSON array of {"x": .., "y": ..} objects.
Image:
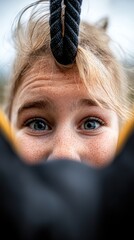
[{"x": 64, "y": 30}]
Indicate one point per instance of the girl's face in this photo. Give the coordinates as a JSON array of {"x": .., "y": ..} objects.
[{"x": 54, "y": 117}]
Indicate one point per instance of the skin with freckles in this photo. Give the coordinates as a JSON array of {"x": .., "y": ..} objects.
[{"x": 54, "y": 117}]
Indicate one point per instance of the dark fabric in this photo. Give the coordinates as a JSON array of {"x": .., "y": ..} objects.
[
  {"x": 117, "y": 206},
  {"x": 64, "y": 32},
  {"x": 65, "y": 199}
]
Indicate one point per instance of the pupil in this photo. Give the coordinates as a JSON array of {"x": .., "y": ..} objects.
[
  {"x": 90, "y": 125},
  {"x": 39, "y": 125}
]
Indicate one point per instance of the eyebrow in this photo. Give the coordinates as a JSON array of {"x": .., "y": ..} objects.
[
  {"x": 40, "y": 104},
  {"x": 47, "y": 105},
  {"x": 88, "y": 102},
  {"x": 91, "y": 103}
]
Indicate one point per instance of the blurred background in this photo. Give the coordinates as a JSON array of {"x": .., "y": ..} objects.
[{"x": 121, "y": 29}]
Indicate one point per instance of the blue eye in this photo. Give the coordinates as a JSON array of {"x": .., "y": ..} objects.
[
  {"x": 38, "y": 125},
  {"x": 91, "y": 124}
]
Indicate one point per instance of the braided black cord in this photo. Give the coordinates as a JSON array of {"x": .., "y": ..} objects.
[{"x": 64, "y": 48}]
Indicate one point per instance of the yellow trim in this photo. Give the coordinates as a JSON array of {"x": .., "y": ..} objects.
[
  {"x": 124, "y": 134},
  {"x": 6, "y": 129}
]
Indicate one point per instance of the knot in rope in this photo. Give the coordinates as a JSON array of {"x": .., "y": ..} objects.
[{"x": 64, "y": 30}]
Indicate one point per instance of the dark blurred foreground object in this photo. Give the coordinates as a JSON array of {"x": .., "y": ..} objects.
[{"x": 66, "y": 200}]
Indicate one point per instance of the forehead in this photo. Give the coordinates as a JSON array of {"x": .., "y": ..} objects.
[
  {"x": 46, "y": 82},
  {"x": 47, "y": 67},
  {"x": 45, "y": 77},
  {"x": 45, "y": 73}
]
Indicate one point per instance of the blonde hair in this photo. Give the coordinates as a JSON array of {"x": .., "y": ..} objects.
[{"x": 97, "y": 66}]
